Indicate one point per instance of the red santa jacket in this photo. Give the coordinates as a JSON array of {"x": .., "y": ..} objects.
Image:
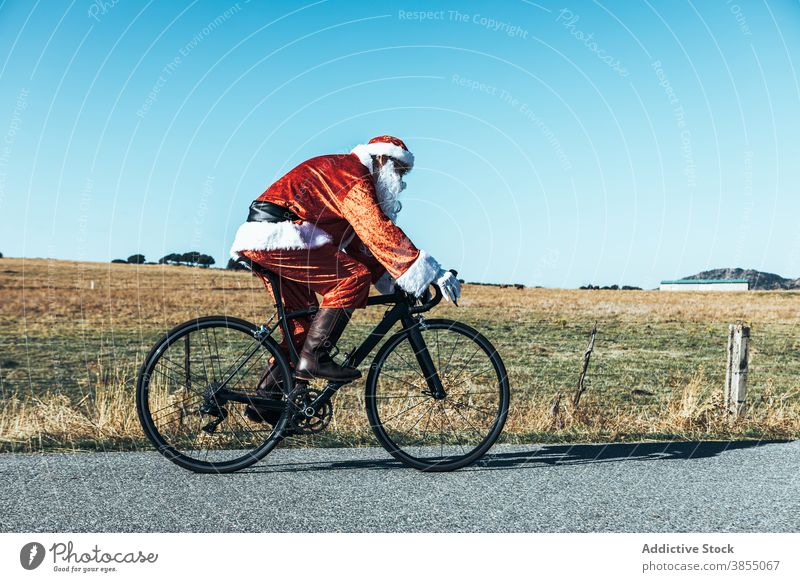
[{"x": 335, "y": 197}]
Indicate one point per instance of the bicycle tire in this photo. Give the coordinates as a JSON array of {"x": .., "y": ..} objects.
[
  {"x": 170, "y": 445},
  {"x": 416, "y": 394}
]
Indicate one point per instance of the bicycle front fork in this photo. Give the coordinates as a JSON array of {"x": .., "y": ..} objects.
[{"x": 414, "y": 327}]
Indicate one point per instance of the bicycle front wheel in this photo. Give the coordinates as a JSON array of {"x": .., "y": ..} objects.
[
  {"x": 192, "y": 392},
  {"x": 438, "y": 434}
]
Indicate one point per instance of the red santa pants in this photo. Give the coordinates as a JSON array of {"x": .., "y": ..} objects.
[{"x": 341, "y": 280}]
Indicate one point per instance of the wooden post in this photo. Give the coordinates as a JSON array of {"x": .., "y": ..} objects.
[
  {"x": 736, "y": 374},
  {"x": 576, "y": 399}
]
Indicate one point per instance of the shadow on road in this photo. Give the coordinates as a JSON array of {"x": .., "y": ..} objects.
[
  {"x": 561, "y": 454},
  {"x": 568, "y": 454}
]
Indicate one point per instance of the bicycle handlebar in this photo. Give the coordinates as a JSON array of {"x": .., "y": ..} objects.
[
  {"x": 433, "y": 301},
  {"x": 430, "y": 303}
]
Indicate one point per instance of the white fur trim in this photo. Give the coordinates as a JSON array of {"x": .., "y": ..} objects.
[
  {"x": 366, "y": 151},
  {"x": 420, "y": 274},
  {"x": 270, "y": 236},
  {"x": 363, "y": 156}
]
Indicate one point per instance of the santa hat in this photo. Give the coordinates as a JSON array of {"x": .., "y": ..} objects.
[{"x": 384, "y": 145}]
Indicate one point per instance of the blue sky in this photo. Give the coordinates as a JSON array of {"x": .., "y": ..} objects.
[{"x": 557, "y": 144}]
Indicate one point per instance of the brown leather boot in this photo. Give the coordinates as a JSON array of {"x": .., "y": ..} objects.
[
  {"x": 315, "y": 359},
  {"x": 268, "y": 387}
]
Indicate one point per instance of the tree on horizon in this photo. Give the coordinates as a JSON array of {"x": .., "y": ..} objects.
[
  {"x": 205, "y": 261},
  {"x": 191, "y": 258}
]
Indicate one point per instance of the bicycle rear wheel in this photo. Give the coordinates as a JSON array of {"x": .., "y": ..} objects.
[
  {"x": 445, "y": 434},
  {"x": 180, "y": 399}
]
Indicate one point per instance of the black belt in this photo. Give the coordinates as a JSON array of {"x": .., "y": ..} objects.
[{"x": 262, "y": 211}]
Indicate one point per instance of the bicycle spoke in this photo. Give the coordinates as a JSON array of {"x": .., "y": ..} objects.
[
  {"x": 402, "y": 412},
  {"x": 477, "y": 432},
  {"x": 235, "y": 434},
  {"x": 461, "y": 373},
  {"x": 420, "y": 417},
  {"x": 427, "y": 423},
  {"x": 243, "y": 373},
  {"x": 455, "y": 345},
  {"x": 455, "y": 432},
  {"x": 483, "y": 371},
  {"x": 424, "y": 428},
  {"x": 179, "y": 405},
  {"x": 235, "y": 363},
  {"x": 492, "y": 412},
  {"x": 407, "y": 382},
  {"x": 176, "y": 368},
  {"x": 170, "y": 380}
]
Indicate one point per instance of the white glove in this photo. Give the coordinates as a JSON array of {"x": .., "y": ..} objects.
[{"x": 449, "y": 284}]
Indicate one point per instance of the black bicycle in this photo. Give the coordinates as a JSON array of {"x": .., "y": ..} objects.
[{"x": 437, "y": 393}]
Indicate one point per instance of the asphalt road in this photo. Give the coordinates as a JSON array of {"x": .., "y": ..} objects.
[{"x": 721, "y": 487}]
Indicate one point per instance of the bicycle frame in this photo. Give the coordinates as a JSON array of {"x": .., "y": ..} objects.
[{"x": 403, "y": 311}]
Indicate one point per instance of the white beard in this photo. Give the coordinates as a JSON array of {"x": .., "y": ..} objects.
[{"x": 388, "y": 186}]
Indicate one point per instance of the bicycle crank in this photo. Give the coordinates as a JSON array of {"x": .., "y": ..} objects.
[{"x": 309, "y": 419}]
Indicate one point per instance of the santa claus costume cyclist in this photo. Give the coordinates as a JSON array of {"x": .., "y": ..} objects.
[{"x": 328, "y": 227}]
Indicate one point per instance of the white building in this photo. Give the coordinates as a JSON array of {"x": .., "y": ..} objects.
[{"x": 704, "y": 285}]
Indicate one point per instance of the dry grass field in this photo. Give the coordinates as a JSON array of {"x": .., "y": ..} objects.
[{"x": 72, "y": 336}]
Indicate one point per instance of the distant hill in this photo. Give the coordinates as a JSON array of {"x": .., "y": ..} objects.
[{"x": 757, "y": 280}]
